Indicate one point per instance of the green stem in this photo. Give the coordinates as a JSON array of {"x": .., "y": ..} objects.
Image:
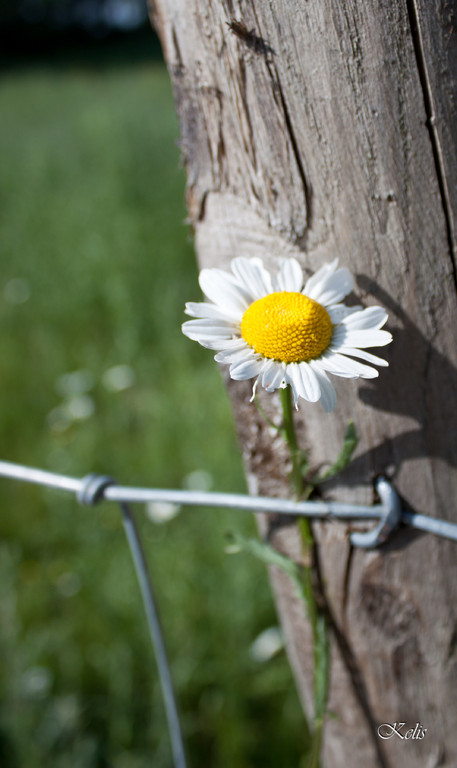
[
  {"x": 316, "y": 617},
  {"x": 291, "y": 437}
]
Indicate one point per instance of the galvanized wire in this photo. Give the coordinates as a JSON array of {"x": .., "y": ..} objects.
[
  {"x": 156, "y": 634},
  {"x": 127, "y": 494},
  {"x": 326, "y": 510}
]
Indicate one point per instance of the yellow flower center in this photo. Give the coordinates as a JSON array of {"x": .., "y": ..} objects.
[{"x": 287, "y": 326}]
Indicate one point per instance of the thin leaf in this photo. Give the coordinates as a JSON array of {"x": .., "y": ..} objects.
[
  {"x": 345, "y": 456},
  {"x": 269, "y": 421},
  {"x": 321, "y": 667},
  {"x": 304, "y": 464},
  {"x": 267, "y": 554}
]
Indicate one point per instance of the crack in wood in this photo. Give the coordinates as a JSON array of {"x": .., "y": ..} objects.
[
  {"x": 277, "y": 88},
  {"x": 307, "y": 190},
  {"x": 438, "y": 155},
  {"x": 349, "y": 660},
  {"x": 177, "y": 49},
  {"x": 346, "y": 584}
]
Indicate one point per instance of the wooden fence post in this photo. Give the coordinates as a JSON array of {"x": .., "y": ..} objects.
[{"x": 323, "y": 129}]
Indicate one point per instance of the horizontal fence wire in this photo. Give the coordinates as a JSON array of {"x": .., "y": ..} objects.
[
  {"x": 320, "y": 510},
  {"x": 127, "y": 494}
]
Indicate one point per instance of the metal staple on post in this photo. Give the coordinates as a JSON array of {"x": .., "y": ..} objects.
[
  {"x": 388, "y": 522},
  {"x": 94, "y": 488}
]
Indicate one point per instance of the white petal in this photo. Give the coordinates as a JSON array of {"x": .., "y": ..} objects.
[
  {"x": 363, "y": 356},
  {"x": 291, "y": 381},
  {"x": 333, "y": 288},
  {"x": 196, "y": 329},
  {"x": 328, "y": 394},
  {"x": 235, "y": 355},
  {"x": 343, "y": 366},
  {"x": 314, "y": 282},
  {"x": 305, "y": 386},
  {"x": 371, "y": 317},
  {"x": 206, "y": 340},
  {"x": 368, "y": 338},
  {"x": 310, "y": 385},
  {"x": 294, "y": 379},
  {"x": 273, "y": 375},
  {"x": 267, "y": 371},
  {"x": 252, "y": 274},
  {"x": 215, "y": 343},
  {"x": 223, "y": 289},
  {"x": 202, "y": 309},
  {"x": 338, "y": 312},
  {"x": 254, "y": 388},
  {"x": 233, "y": 344},
  {"x": 290, "y": 276},
  {"x": 245, "y": 370}
]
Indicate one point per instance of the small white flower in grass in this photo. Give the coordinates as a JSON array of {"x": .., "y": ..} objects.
[
  {"x": 267, "y": 644},
  {"x": 282, "y": 330},
  {"x": 118, "y": 378},
  {"x": 75, "y": 383},
  {"x": 162, "y": 511},
  {"x": 198, "y": 480},
  {"x": 36, "y": 682},
  {"x": 16, "y": 291}
]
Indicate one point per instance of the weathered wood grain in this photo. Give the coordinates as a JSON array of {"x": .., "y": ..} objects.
[{"x": 320, "y": 129}]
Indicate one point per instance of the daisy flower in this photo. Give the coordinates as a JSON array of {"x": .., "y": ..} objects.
[{"x": 283, "y": 331}]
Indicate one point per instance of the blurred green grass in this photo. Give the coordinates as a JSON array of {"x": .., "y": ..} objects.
[{"x": 96, "y": 264}]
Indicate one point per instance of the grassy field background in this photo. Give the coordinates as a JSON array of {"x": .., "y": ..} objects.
[{"x": 95, "y": 266}]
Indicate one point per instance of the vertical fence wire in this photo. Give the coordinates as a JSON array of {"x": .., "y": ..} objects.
[{"x": 155, "y": 631}]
